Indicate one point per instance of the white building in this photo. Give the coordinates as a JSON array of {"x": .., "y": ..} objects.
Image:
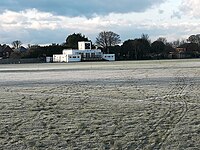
[{"x": 83, "y": 53}]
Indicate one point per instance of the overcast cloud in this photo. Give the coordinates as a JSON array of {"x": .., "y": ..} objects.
[
  {"x": 190, "y": 7},
  {"x": 51, "y": 21},
  {"x": 80, "y": 7}
]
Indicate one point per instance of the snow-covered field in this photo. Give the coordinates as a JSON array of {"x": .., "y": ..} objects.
[{"x": 101, "y": 105}]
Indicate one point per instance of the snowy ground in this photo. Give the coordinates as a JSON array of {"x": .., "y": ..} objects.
[{"x": 101, "y": 105}]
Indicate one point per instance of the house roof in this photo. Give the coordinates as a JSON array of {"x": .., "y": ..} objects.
[
  {"x": 21, "y": 49},
  {"x": 5, "y": 48}
]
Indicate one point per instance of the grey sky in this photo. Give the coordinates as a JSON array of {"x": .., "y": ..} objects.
[
  {"x": 51, "y": 21},
  {"x": 80, "y": 7}
]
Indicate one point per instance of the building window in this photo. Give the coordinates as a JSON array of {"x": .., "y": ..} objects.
[
  {"x": 93, "y": 55},
  {"x": 87, "y": 55},
  {"x": 74, "y": 56},
  {"x": 87, "y": 45}
]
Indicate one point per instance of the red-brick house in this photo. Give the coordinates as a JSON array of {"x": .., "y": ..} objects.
[{"x": 187, "y": 50}]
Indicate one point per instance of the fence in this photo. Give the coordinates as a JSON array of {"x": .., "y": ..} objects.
[{"x": 22, "y": 61}]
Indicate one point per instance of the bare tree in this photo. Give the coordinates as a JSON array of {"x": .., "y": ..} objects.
[
  {"x": 145, "y": 37},
  {"x": 16, "y": 44},
  {"x": 106, "y": 39},
  {"x": 177, "y": 43}
]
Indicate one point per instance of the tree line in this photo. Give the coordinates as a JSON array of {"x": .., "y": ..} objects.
[{"x": 109, "y": 42}]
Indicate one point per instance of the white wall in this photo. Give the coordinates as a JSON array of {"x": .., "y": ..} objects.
[
  {"x": 68, "y": 51},
  {"x": 84, "y": 45},
  {"x": 60, "y": 58},
  {"x": 74, "y": 58},
  {"x": 109, "y": 57},
  {"x": 79, "y": 52}
]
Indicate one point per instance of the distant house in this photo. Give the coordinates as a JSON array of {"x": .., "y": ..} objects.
[
  {"x": 21, "y": 49},
  {"x": 5, "y": 51},
  {"x": 83, "y": 53},
  {"x": 181, "y": 49},
  {"x": 187, "y": 50}
]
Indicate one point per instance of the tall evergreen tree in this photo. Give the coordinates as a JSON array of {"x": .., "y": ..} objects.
[{"x": 73, "y": 39}]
